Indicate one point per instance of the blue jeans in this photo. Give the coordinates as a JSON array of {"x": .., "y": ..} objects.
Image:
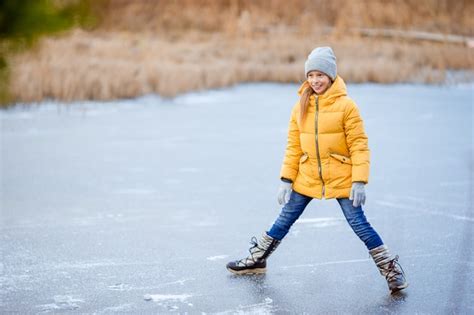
[{"x": 354, "y": 216}]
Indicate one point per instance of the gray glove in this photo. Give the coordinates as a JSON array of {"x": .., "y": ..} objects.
[
  {"x": 357, "y": 194},
  {"x": 284, "y": 193}
]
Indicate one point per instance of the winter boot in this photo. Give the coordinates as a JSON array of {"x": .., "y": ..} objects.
[
  {"x": 389, "y": 268},
  {"x": 256, "y": 261}
]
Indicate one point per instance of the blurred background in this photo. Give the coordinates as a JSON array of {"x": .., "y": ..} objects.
[{"x": 110, "y": 49}]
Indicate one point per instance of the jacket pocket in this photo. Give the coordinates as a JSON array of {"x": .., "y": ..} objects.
[
  {"x": 340, "y": 171},
  {"x": 303, "y": 158},
  {"x": 306, "y": 169},
  {"x": 341, "y": 158}
]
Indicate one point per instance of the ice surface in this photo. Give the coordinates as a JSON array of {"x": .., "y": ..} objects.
[
  {"x": 105, "y": 203},
  {"x": 167, "y": 297},
  {"x": 320, "y": 222},
  {"x": 63, "y": 303},
  {"x": 169, "y": 301},
  {"x": 118, "y": 309},
  {"x": 217, "y": 257},
  {"x": 265, "y": 307}
]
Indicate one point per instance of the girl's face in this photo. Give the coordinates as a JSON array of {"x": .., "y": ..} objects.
[{"x": 319, "y": 81}]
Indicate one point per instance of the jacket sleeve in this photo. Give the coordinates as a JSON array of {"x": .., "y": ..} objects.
[
  {"x": 357, "y": 143},
  {"x": 293, "y": 150}
]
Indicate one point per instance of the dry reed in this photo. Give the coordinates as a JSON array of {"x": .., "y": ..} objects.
[{"x": 171, "y": 47}]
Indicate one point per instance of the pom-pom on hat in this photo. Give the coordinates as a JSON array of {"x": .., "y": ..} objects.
[{"x": 322, "y": 59}]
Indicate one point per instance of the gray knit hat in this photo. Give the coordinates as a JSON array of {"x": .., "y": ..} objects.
[{"x": 322, "y": 59}]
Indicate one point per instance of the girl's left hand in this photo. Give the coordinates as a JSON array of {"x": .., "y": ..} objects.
[
  {"x": 284, "y": 193},
  {"x": 357, "y": 194}
]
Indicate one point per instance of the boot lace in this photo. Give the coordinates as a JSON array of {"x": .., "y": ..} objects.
[
  {"x": 394, "y": 270},
  {"x": 250, "y": 258}
]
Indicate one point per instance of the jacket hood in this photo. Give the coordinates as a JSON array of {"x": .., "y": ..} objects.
[{"x": 337, "y": 89}]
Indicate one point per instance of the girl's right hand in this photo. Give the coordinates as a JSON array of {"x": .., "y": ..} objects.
[{"x": 284, "y": 193}]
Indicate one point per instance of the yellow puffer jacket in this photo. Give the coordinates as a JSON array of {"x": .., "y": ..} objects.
[{"x": 329, "y": 150}]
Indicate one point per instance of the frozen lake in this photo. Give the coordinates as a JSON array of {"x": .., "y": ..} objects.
[{"x": 136, "y": 206}]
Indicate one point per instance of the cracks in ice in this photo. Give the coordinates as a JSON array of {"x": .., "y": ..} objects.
[
  {"x": 419, "y": 209},
  {"x": 170, "y": 301},
  {"x": 265, "y": 307},
  {"x": 128, "y": 287},
  {"x": 350, "y": 261},
  {"x": 325, "y": 263}
]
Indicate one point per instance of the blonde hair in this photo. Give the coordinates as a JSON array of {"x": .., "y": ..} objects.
[{"x": 304, "y": 103}]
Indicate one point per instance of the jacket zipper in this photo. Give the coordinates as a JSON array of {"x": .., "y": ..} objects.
[{"x": 317, "y": 144}]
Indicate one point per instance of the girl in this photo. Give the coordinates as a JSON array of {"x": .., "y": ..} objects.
[{"x": 327, "y": 156}]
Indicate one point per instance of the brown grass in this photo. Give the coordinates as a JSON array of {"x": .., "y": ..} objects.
[
  {"x": 177, "y": 46},
  {"x": 444, "y": 16}
]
